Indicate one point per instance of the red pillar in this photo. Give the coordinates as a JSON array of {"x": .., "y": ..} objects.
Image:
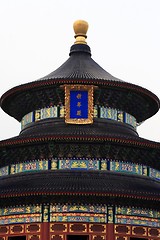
[
  {"x": 45, "y": 231},
  {"x": 110, "y": 231}
]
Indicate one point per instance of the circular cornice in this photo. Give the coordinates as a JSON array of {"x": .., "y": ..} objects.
[
  {"x": 81, "y": 183},
  {"x": 122, "y": 140}
]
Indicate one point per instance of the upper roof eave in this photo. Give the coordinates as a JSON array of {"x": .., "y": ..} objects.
[
  {"x": 80, "y": 68},
  {"x": 58, "y": 81}
]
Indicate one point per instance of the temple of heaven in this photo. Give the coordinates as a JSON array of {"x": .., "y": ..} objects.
[{"x": 78, "y": 170}]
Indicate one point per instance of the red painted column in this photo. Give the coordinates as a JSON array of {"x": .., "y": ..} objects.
[
  {"x": 45, "y": 231},
  {"x": 110, "y": 231}
]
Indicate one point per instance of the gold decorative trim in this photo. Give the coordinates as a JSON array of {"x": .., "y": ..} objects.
[
  {"x": 144, "y": 228},
  {"x": 12, "y": 227},
  {"x": 32, "y": 236},
  {"x": 95, "y": 224},
  {"x": 77, "y": 231},
  {"x": 124, "y": 238},
  {"x": 94, "y": 236},
  {"x": 57, "y": 235},
  {"x": 54, "y": 224},
  {"x": 150, "y": 235},
  {"x": 126, "y": 233},
  {"x": 89, "y": 89},
  {"x": 32, "y": 224},
  {"x": 7, "y": 228}
]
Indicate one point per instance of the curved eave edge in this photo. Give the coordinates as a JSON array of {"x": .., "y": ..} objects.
[
  {"x": 133, "y": 142},
  {"x": 117, "y": 195},
  {"x": 100, "y": 82}
]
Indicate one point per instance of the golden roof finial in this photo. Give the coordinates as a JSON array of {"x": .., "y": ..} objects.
[{"x": 80, "y": 28}]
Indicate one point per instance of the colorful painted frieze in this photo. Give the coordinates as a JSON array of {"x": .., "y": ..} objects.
[
  {"x": 110, "y": 214},
  {"x": 46, "y": 213},
  {"x": 78, "y": 213},
  {"x": 59, "y": 111},
  {"x": 28, "y": 118},
  {"x": 120, "y": 116},
  {"x": 50, "y": 112},
  {"x": 82, "y": 164},
  {"x": 25, "y": 218},
  {"x": 95, "y": 111},
  {"x": 137, "y": 212},
  {"x": 54, "y": 164},
  {"x": 104, "y": 164},
  {"x": 129, "y": 119},
  {"x": 79, "y": 164},
  {"x": 127, "y": 167},
  {"x": 108, "y": 113},
  {"x": 78, "y": 208},
  {"x": 62, "y": 111},
  {"x": 20, "y": 210},
  {"x": 77, "y": 217},
  {"x": 4, "y": 171},
  {"x": 154, "y": 173},
  {"x": 29, "y": 166},
  {"x": 134, "y": 220},
  {"x": 21, "y": 214}
]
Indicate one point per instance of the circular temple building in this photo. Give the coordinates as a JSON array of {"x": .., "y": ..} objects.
[{"x": 78, "y": 170}]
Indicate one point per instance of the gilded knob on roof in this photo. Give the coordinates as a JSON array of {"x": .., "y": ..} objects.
[{"x": 80, "y": 28}]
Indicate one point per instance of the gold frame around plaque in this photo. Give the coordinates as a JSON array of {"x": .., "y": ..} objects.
[{"x": 78, "y": 87}]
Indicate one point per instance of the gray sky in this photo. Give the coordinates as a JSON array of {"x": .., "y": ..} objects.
[{"x": 36, "y": 35}]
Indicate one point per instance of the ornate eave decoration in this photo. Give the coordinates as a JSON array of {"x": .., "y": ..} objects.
[{"x": 79, "y": 104}]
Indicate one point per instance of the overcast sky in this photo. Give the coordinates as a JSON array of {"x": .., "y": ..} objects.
[{"x": 36, "y": 35}]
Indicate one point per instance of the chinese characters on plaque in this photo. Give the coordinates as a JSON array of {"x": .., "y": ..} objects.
[{"x": 79, "y": 104}]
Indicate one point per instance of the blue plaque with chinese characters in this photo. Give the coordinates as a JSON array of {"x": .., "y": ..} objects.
[{"x": 78, "y": 104}]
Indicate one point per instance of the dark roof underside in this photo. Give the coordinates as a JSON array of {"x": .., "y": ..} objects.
[
  {"x": 80, "y": 68},
  {"x": 79, "y": 182}
]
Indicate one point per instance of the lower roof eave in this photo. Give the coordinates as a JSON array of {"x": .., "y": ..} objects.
[
  {"x": 115, "y": 139},
  {"x": 96, "y": 194}
]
